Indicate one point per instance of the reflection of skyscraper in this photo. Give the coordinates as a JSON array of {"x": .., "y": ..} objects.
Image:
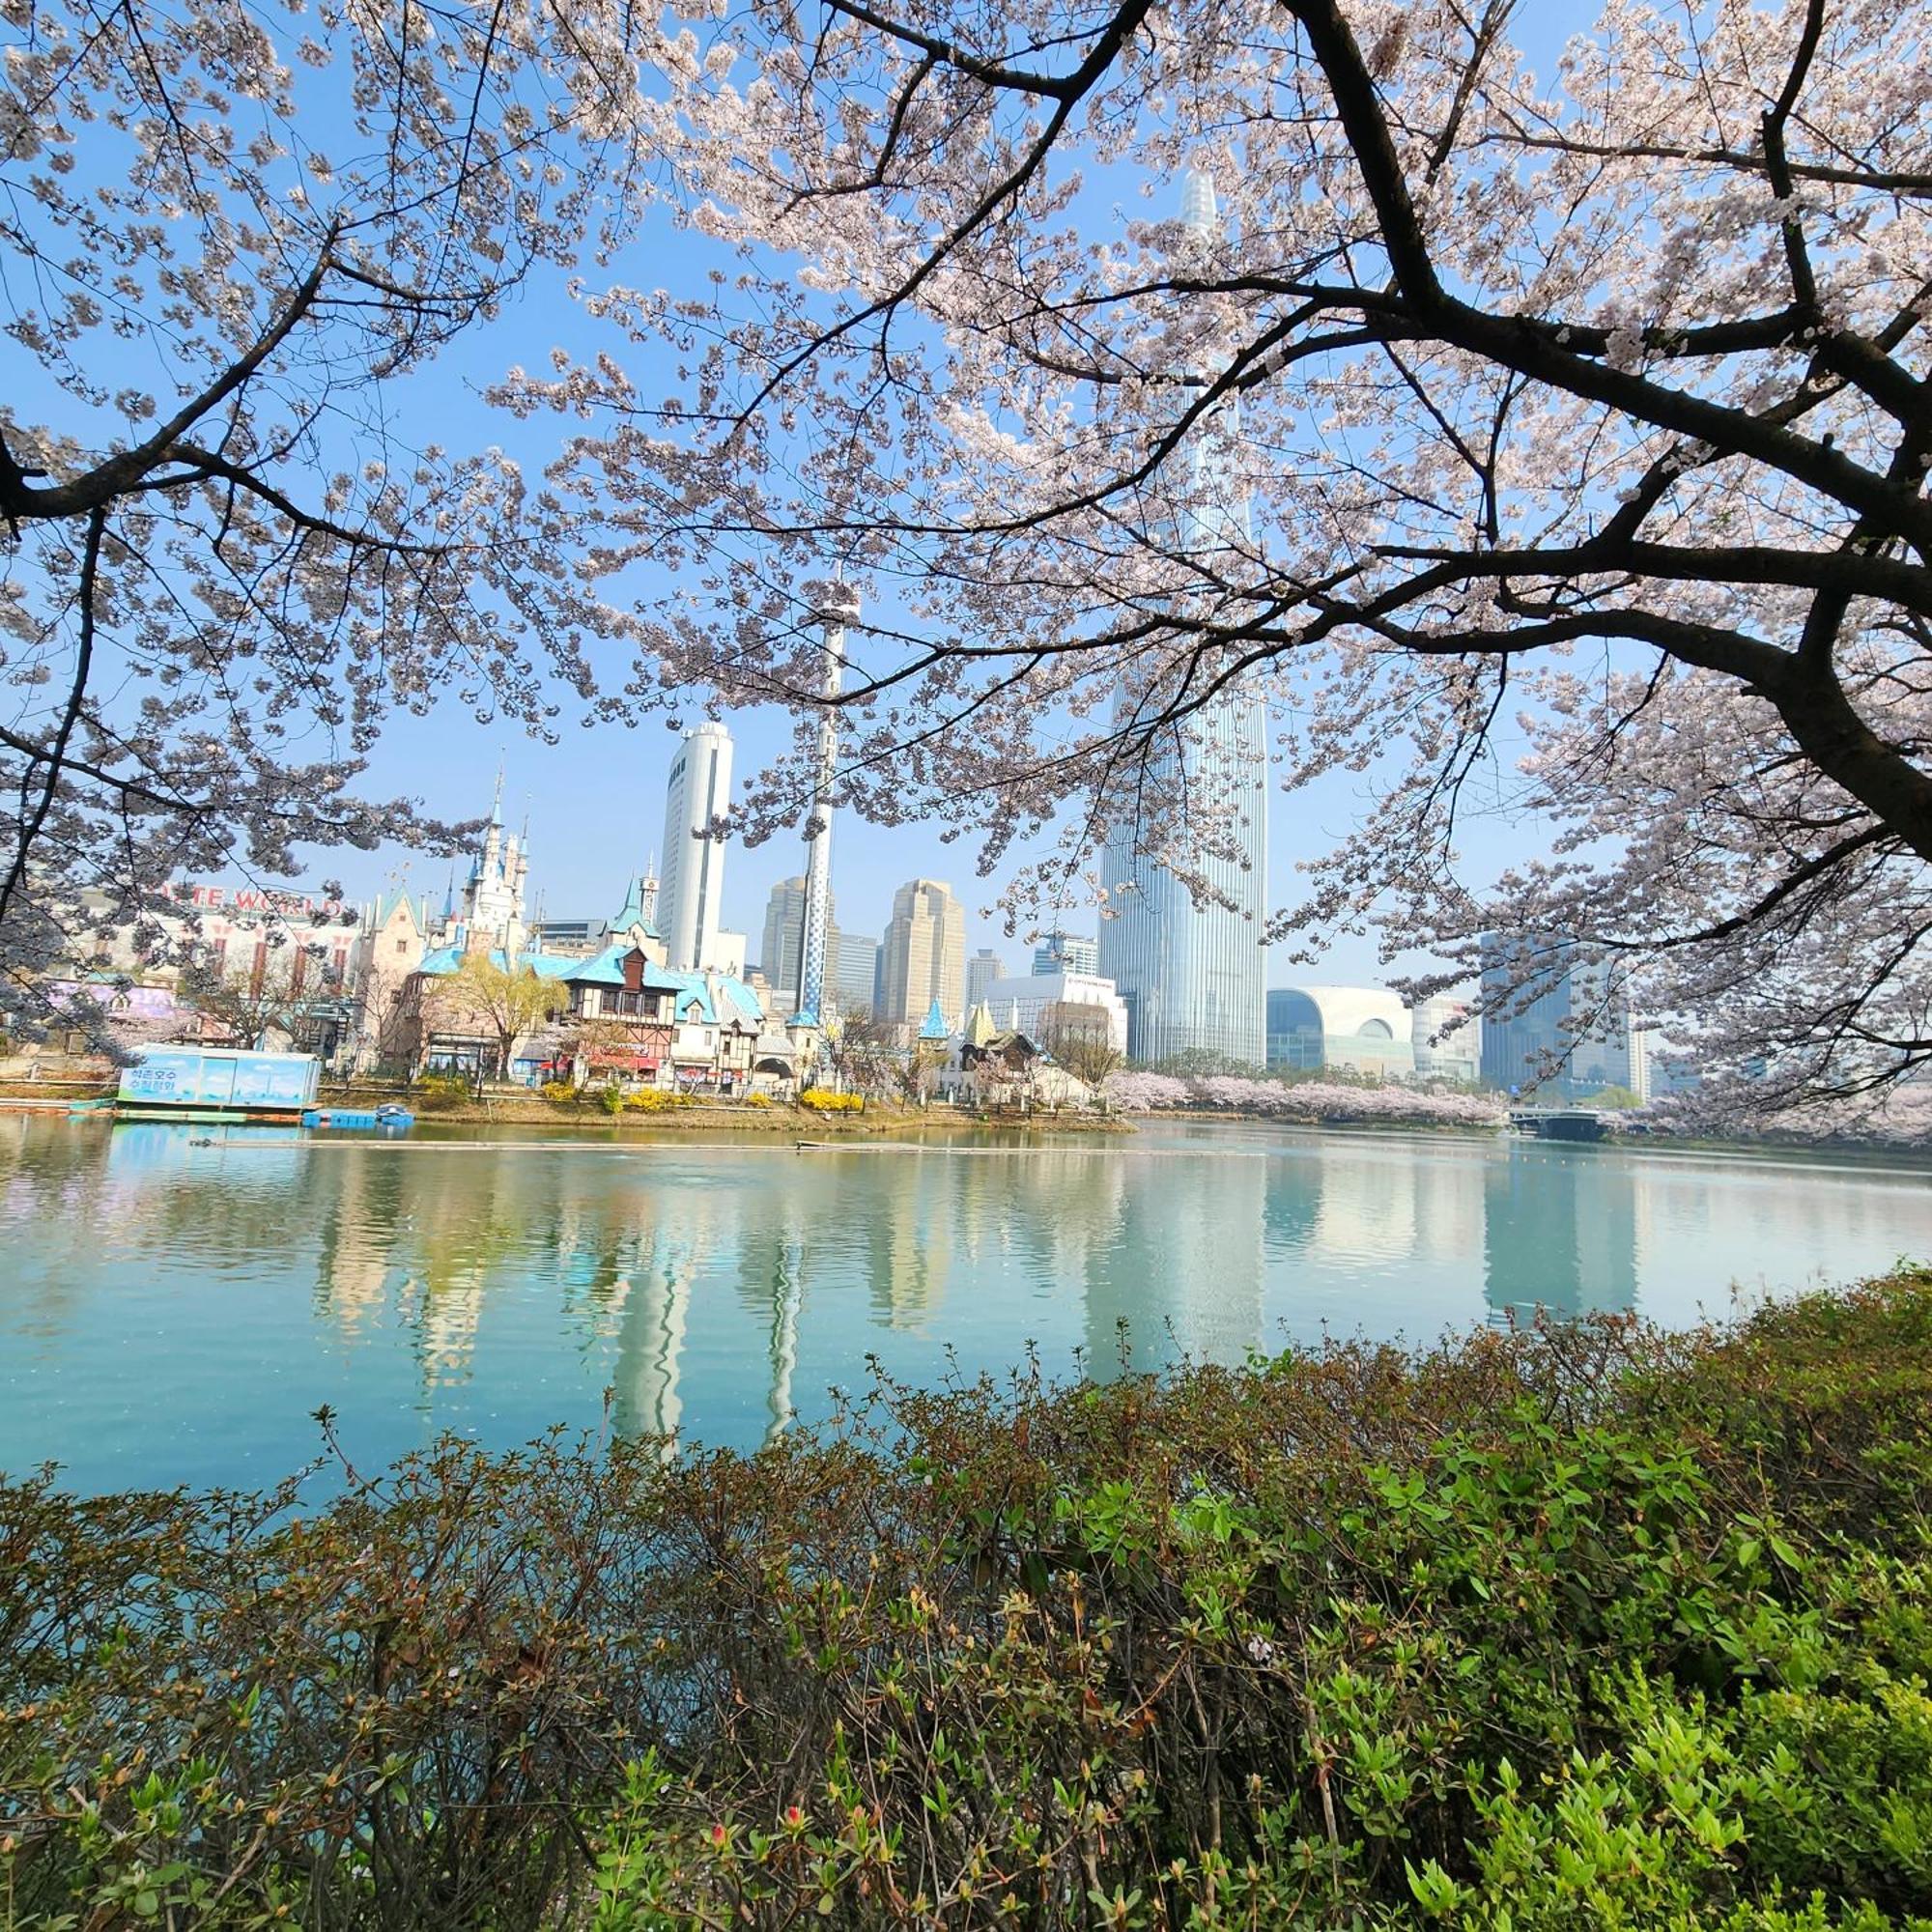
[
  {"x": 1185, "y": 1273},
  {"x": 1559, "y": 1232},
  {"x": 1193, "y": 972},
  {"x": 909, "y": 1239},
  {"x": 690, "y": 891}
]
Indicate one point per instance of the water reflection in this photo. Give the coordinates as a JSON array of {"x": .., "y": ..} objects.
[
  {"x": 220, "y": 1293},
  {"x": 1559, "y": 1232}
]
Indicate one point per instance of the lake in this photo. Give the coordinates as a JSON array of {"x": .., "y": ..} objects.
[{"x": 175, "y": 1313}]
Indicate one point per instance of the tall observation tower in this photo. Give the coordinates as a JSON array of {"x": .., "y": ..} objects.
[
  {"x": 1194, "y": 975},
  {"x": 841, "y": 609}
]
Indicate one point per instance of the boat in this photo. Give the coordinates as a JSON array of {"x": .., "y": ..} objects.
[{"x": 390, "y": 1117}]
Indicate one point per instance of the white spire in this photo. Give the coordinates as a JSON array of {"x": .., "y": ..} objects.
[{"x": 1197, "y": 210}]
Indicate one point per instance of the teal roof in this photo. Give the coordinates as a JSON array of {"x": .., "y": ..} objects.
[
  {"x": 632, "y": 912},
  {"x": 739, "y": 995},
  {"x": 607, "y": 969},
  {"x": 690, "y": 990},
  {"x": 417, "y": 904},
  {"x": 935, "y": 1027},
  {"x": 446, "y": 959}
]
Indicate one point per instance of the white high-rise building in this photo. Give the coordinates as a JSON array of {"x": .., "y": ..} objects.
[
  {"x": 1193, "y": 973},
  {"x": 692, "y": 887}
]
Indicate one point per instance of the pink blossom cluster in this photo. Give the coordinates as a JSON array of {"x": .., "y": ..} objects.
[{"x": 1302, "y": 1100}]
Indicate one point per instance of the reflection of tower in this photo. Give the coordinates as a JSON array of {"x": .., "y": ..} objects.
[
  {"x": 650, "y": 1343},
  {"x": 840, "y": 611},
  {"x": 1559, "y": 1232},
  {"x": 787, "y": 1298},
  {"x": 1193, "y": 975}
]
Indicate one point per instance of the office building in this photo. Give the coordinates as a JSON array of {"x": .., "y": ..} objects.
[
  {"x": 1557, "y": 1024},
  {"x": 1067, "y": 953},
  {"x": 981, "y": 970},
  {"x": 850, "y": 957},
  {"x": 691, "y": 889},
  {"x": 1047, "y": 1007},
  {"x": 853, "y": 965},
  {"x": 923, "y": 956},
  {"x": 1193, "y": 971},
  {"x": 1354, "y": 1028},
  {"x": 1451, "y": 1055},
  {"x": 784, "y": 940}
]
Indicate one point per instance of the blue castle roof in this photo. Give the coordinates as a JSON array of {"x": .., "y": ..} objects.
[{"x": 935, "y": 1027}]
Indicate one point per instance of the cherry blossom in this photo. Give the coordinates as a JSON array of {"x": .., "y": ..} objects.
[{"x": 1581, "y": 422}]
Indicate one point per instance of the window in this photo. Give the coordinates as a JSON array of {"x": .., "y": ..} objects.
[{"x": 402, "y": 945}]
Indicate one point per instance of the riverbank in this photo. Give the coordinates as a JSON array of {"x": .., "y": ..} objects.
[
  {"x": 781, "y": 1119},
  {"x": 1585, "y": 1625}
]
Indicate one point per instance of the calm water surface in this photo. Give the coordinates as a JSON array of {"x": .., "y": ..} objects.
[{"x": 174, "y": 1313}]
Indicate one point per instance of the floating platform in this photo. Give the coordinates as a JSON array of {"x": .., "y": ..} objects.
[
  {"x": 200, "y": 1117},
  {"x": 360, "y": 1120}
]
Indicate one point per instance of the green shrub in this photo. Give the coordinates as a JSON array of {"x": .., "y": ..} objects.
[{"x": 1577, "y": 1628}]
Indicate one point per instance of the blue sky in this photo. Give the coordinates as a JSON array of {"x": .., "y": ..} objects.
[{"x": 595, "y": 800}]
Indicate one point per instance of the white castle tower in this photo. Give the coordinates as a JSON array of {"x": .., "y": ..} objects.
[{"x": 492, "y": 905}]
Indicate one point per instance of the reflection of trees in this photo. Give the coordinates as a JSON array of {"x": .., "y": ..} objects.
[{"x": 1559, "y": 1232}]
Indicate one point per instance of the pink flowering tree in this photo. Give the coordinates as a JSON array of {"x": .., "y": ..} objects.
[
  {"x": 1582, "y": 424},
  {"x": 233, "y": 241},
  {"x": 1551, "y": 444},
  {"x": 1135, "y": 1092}
]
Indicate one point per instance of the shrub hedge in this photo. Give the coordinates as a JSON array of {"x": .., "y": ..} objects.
[{"x": 1578, "y": 1627}]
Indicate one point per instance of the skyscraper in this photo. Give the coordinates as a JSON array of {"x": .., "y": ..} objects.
[
  {"x": 923, "y": 957},
  {"x": 1193, "y": 974},
  {"x": 854, "y": 964},
  {"x": 1067, "y": 953},
  {"x": 981, "y": 970},
  {"x": 1565, "y": 1028},
  {"x": 783, "y": 946},
  {"x": 692, "y": 885}
]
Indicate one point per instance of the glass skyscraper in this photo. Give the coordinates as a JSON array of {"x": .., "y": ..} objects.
[{"x": 1194, "y": 975}]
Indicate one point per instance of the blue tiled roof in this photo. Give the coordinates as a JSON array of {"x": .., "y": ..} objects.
[
  {"x": 935, "y": 1027},
  {"x": 632, "y": 912},
  {"x": 444, "y": 960},
  {"x": 601, "y": 969},
  {"x": 741, "y": 996},
  {"x": 690, "y": 990},
  {"x": 607, "y": 969}
]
